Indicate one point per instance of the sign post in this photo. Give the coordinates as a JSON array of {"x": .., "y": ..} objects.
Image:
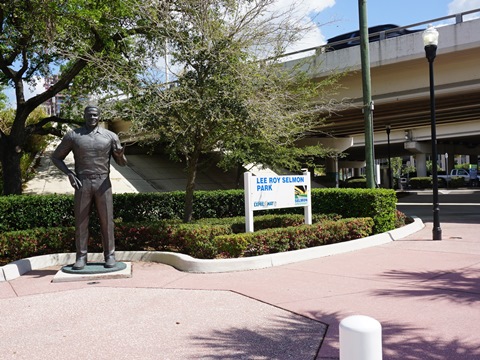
[{"x": 275, "y": 192}]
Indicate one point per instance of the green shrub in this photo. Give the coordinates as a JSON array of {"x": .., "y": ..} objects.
[
  {"x": 20, "y": 244},
  {"x": 378, "y": 204},
  {"x": 30, "y": 211},
  {"x": 356, "y": 183},
  {"x": 421, "y": 183},
  {"x": 401, "y": 219},
  {"x": 456, "y": 182},
  {"x": 196, "y": 239},
  {"x": 270, "y": 241}
]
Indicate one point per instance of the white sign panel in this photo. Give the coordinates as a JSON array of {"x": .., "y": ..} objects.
[
  {"x": 276, "y": 191},
  {"x": 283, "y": 191}
]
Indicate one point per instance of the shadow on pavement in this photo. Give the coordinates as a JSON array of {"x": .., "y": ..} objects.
[
  {"x": 401, "y": 341},
  {"x": 291, "y": 337}
]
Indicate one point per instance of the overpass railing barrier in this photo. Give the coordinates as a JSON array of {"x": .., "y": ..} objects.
[{"x": 458, "y": 18}]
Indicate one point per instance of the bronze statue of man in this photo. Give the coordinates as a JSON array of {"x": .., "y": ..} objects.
[{"x": 92, "y": 148}]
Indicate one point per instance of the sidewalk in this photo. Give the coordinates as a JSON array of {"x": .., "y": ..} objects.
[{"x": 425, "y": 294}]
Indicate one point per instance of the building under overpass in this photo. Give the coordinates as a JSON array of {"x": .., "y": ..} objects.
[{"x": 400, "y": 91}]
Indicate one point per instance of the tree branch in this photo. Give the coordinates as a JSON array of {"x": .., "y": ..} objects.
[
  {"x": 77, "y": 66},
  {"x": 39, "y": 127}
]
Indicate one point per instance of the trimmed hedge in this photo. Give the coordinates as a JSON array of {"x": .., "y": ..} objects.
[
  {"x": 204, "y": 239},
  {"x": 292, "y": 238},
  {"x": 41, "y": 224},
  {"x": 32, "y": 211},
  {"x": 21, "y": 212},
  {"x": 378, "y": 204},
  {"x": 427, "y": 182},
  {"x": 21, "y": 244},
  {"x": 356, "y": 183},
  {"x": 421, "y": 183}
]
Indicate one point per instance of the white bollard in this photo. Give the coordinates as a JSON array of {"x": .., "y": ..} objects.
[{"x": 360, "y": 338}]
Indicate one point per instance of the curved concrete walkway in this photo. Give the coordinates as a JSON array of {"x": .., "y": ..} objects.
[{"x": 424, "y": 293}]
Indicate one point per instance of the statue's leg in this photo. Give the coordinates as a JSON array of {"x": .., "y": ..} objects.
[
  {"x": 104, "y": 203},
  {"x": 83, "y": 202}
]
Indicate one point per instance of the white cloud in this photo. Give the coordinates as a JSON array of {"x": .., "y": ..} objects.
[
  {"x": 306, "y": 6},
  {"x": 34, "y": 89},
  {"x": 458, "y": 6},
  {"x": 303, "y": 8},
  {"x": 29, "y": 91}
]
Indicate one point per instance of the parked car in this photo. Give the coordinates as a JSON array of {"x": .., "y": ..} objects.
[
  {"x": 332, "y": 44},
  {"x": 456, "y": 173}
]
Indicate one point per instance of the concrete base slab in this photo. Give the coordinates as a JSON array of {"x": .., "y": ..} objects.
[
  {"x": 94, "y": 268},
  {"x": 62, "y": 276}
]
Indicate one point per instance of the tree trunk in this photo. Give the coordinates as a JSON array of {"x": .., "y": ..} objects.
[
  {"x": 192, "y": 164},
  {"x": 11, "y": 150},
  {"x": 12, "y": 174}
]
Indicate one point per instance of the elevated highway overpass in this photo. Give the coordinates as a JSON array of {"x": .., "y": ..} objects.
[{"x": 400, "y": 91}]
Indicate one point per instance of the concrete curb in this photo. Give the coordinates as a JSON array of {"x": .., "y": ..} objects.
[{"x": 187, "y": 263}]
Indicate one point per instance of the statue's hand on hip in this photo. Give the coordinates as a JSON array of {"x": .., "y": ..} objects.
[{"x": 74, "y": 180}]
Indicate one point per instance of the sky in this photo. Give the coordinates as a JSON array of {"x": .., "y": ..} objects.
[
  {"x": 344, "y": 13},
  {"x": 335, "y": 17}
]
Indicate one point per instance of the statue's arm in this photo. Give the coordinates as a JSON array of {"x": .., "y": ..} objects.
[
  {"x": 58, "y": 158},
  {"x": 118, "y": 152}
]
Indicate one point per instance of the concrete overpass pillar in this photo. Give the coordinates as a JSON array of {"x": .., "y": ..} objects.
[
  {"x": 421, "y": 164},
  {"x": 331, "y": 169},
  {"x": 420, "y": 150},
  {"x": 473, "y": 159}
]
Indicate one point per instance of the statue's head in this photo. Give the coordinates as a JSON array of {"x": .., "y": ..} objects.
[
  {"x": 91, "y": 116},
  {"x": 92, "y": 108}
]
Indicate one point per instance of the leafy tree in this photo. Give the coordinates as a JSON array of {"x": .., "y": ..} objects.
[
  {"x": 429, "y": 166},
  {"x": 3, "y": 98},
  {"x": 82, "y": 42},
  {"x": 34, "y": 144},
  {"x": 226, "y": 98},
  {"x": 396, "y": 164}
]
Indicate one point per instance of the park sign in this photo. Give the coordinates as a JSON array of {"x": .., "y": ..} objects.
[{"x": 272, "y": 191}]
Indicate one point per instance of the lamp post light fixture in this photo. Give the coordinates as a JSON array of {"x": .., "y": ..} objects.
[
  {"x": 430, "y": 41},
  {"x": 388, "y": 128}
]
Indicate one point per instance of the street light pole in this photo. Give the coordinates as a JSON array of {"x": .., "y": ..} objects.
[
  {"x": 367, "y": 94},
  {"x": 430, "y": 40},
  {"x": 388, "y": 128}
]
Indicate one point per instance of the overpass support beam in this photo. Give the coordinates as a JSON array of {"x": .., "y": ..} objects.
[
  {"x": 417, "y": 147},
  {"x": 338, "y": 145},
  {"x": 420, "y": 150},
  {"x": 421, "y": 164}
]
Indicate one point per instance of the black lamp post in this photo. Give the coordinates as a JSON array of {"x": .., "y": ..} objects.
[
  {"x": 388, "y": 128},
  {"x": 430, "y": 40}
]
